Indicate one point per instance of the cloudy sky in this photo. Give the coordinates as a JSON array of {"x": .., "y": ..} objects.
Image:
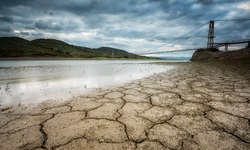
[{"x": 133, "y": 25}]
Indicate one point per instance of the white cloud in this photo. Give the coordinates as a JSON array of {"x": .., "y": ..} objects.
[
  {"x": 16, "y": 31},
  {"x": 244, "y": 5}
]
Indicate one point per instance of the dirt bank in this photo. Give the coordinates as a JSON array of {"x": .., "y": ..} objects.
[
  {"x": 195, "y": 106},
  {"x": 201, "y": 54}
]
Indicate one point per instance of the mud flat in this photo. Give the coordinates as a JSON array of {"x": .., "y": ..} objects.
[{"x": 196, "y": 106}]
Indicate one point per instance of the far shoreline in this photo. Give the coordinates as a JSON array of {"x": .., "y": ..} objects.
[{"x": 64, "y": 58}]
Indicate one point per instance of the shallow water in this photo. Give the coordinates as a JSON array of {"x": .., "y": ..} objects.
[{"x": 28, "y": 82}]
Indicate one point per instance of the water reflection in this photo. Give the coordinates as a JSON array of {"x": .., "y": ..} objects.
[{"x": 35, "y": 81}]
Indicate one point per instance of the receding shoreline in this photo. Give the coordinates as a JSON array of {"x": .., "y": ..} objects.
[{"x": 63, "y": 58}]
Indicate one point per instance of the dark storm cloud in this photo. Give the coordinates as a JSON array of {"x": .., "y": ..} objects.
[
  {"x": 125, "y": 33},
  {"x": 36, "y": 34},
  {"x": 49, "y": 13},
  {"x": 95, "y": 22},
  {"x": 6, "y": 19},
  {"x": 5, "y": 28},
  {"x": 95, "y": 7},
  {"x": 30, "y": 27},
  {"x": 248, "y": 35},
  {"x": 205, "y": 2},
  {"x": 37, "y": 4},
  {"x": 176, "y": 9},
  {"x": 48, "y": 25},
  {"x": 9, "y": 3}
]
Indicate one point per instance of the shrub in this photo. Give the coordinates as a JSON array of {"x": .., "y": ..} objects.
[{"x": 60, "y": 51}]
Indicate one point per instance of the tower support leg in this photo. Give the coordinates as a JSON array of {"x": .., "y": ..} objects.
[
  {"x": 226, "y": 47},
  {"x": 210, "y": 38}
]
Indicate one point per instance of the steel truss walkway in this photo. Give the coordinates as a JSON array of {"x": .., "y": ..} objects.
[
  {"x": 215, "y": 45},
  {"x": 231, "y": 42}
]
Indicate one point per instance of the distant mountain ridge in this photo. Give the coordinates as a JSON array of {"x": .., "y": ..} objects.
[{"x": 19, "y": 47}]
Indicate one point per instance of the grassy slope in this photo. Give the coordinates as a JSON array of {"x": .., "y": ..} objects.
[
  {"x": 18, "y": 47},
  {"x": 51, "y": 44}
]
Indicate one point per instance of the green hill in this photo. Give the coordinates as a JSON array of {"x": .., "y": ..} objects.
[
  {"x": 18, "y": 47},
  {"x": 107, "y": 51}
]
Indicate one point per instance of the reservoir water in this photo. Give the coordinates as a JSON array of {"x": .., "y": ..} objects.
[{"x": 31, "y": 82}]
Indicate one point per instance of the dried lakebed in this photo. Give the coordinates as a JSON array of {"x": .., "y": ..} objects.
[{"x": 191, "y": 107}]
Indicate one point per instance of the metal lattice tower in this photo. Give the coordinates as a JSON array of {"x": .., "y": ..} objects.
[{"x": 211, "y": 36}]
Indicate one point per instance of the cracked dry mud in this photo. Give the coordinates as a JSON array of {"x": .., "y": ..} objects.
[{"x": 192, "y": 107}]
